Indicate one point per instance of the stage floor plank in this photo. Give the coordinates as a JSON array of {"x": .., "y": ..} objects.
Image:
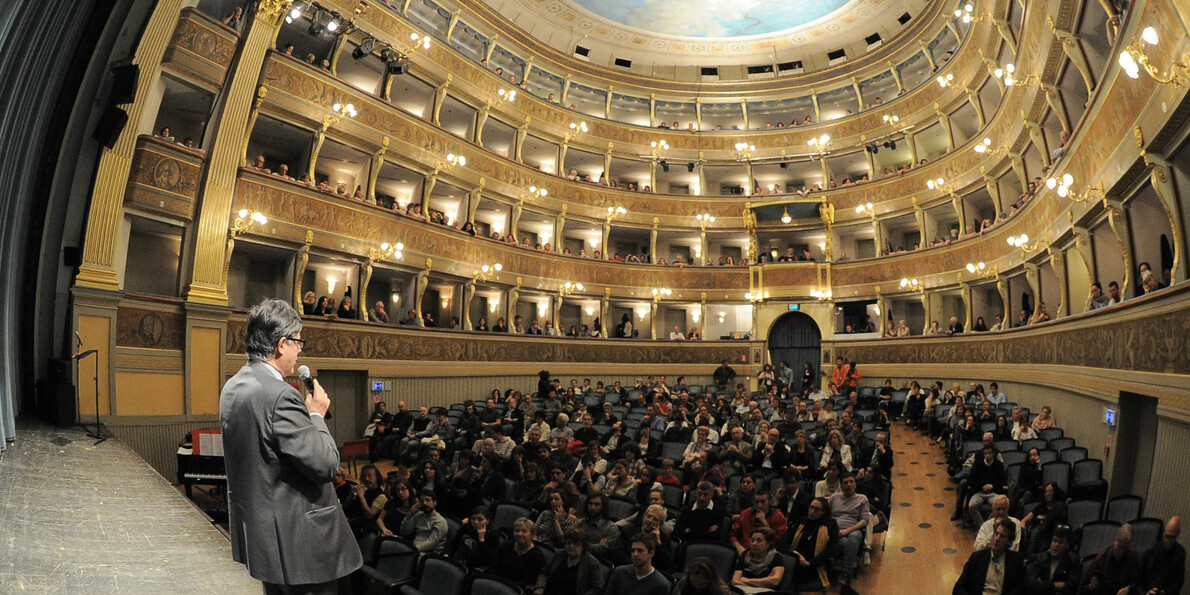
[{"x": 76, "y": 517}]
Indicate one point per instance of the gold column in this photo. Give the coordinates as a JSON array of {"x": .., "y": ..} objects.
[
  {"x": 652, "y": 109},
  {"x": 105, "y": 215},
  {"x": 521, "y": 132},
  {"x": 920, "y": 216},
  {"x": 1002, "y": 289},
  {"x": 1058, "y": 264},
  {"x": 603, "y": 305},
  {"x": 702, "y": 177},
  {"x": 439, "y": 98},
  {"x": 607, "y": 162},
  {"x": 260, "y": 95},
  {"x": 1034, "y": 285},
  {"x": 362, "y": 305},
  {"x": 563, "y": 147},
  {"x": 1038, "y": 138},
  {"x": 892, "y": 69},
  {"x": 336, "y": 52},
  {"x": 607, "y": 103},
  {"x": 473, "y": 200},
  {"x": 300, "y": 260},
  {"x": 514, "y": 294},
  {"x": 653, "y": 319},
  {"x": 607, "y": 230},
  {"x": 1006, "y": 33},
  {"x": 698, "y": 112},
  {"x": 1117, "y": 217},
  {"x": 468, "y": 297},
  {"x": 421, "y": 281},
  {"x": 208, "y": 282},
  {"x": 1072, "y": 47},
  {"x": 559, "y": 227},
  {"x": 749, "y": 224},
  {"x": 1082, "y": 245},
  {"x": 925, "y": 49},
  {"x": 316, "y": 146},
  {"x": 924, "y": 296},
  {"x": 653, "y": 241},
  {"x": 750, "y": 183},
  {"x": 565, "y": 90},
  {"x": 944, "y": 121},
  {"x": 993, "y": 188},
  {"x": 1162, "y": 181},
  {"x": 973, "y": 99},
  {"x": 481, "y": 119},
  {"x": 954, "y": 31},
  {"x": 859, "y": 96},
  {"x": 1053, "y": 96},
  {"x": 528, "y": 70},
  {"x": 744, "y": 110},
  {"x": 965, "y": 294},
  {"x": 374, "y": 168},
  {"x": 1018, "y": 166},
  {"x": 911, "y": 142},
  {"x": 454, "y": 21},
  {"x": 517, "y": 207},
  {"x": 427, "y": 189},
  {"x": 817, "y": 109},
  {"x": 702, "y": 313}
]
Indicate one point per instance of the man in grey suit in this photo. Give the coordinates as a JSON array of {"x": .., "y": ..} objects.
[{"x": 286, "y": 524}]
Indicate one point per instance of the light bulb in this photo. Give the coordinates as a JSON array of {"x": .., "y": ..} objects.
[
  {"x": 1149, "y": 35},
  {"x": 243, "y": 213},
  {"x": 1067, "y": 180}
]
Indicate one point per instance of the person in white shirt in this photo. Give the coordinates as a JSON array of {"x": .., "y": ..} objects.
[
  {"x": 983, "y": 539},
  {"x": 1024, "y": 431},
  {"x": 677, "y": 335}
]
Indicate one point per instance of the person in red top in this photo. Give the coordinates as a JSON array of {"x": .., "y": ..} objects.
[
  {"x": 850, "y": 379},
  {"x": 839, "y": 374},
  {"x": 760, "y": 514}
]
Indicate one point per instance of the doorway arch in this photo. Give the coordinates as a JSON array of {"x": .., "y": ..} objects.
[{"x": 796, "y": 340}]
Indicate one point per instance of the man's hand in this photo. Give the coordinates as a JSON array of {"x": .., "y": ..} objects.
[{"x": 317, "y": 401}]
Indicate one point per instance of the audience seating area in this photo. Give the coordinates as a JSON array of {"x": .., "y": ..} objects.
[{"x": 392, "y": 562}]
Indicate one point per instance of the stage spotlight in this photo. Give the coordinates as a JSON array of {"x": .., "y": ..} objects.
[
  {"x": 664, "y": 166},
  {"x": 690, "y": 167},
  {"x": 316, "y": 26},
  {"x": 364, "y": 49},
  {"x": 398, "y": 65},
  {"x": 784, "y": 165},
  {"x": 891, "y": 145}
]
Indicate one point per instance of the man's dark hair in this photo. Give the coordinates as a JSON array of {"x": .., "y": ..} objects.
[
  {"x": 1009, "y": 530},
  {"x": 1114, "y": 284},
  {"x": 575, "y": 535},
  {"x": 268, "y": 322},
  {"x": 644, "y": 539},
  {"x": 1098, "y": 285},
  {"x": 845, "y": 475}
]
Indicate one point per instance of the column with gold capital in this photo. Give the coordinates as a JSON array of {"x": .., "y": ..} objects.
[
  {"x": 207, "y": 283},
  {"x": 100, "y": 248}
]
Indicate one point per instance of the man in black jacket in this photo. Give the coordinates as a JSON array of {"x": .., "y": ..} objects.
[
  {"x": 1056, "y": 571},
  {"x": 724, "y": 374},
  {"x": 994, "y": 570}
]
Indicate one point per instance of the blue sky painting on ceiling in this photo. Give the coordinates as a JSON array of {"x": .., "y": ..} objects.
[{"x": 713, "y": 18}]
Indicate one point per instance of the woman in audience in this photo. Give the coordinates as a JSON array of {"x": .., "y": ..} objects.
[
  {"x": 432, "y": 479},
  {"x": 812, "y": 542},
  {"x": 1002, "y": 430},
  {"x": 836, "y": 450},
  {"x": 619, "y": 483},
  {"x": 744, "y": 497},
  {"x": 476, "y": 544},
  {"x": 760, "y": 569},
  {"x": 401, "y": 498},
  {"x": 1039, "y": 524},
  {"x": 553, "y": 522},
  {"x": 1028, "y": 483},
  {"x": 980, "y": 325},
  {"x": 519, "y": 560},
  {"x": 482, "y": 325},
  {"x": 528, "y": 489},
  {"x": 574, "y": 571},
  {"x": 320, "y": 307},
  {"x": 1045, "y": 420},
  {"x": 500, "y": 326},
  {"x": 1024, "y": 431},
  {"x": 902, "y": 329},
  {"x": 701, "y": 579},
  {"x": 802, "y": 456},
  {"x": 830, "y": 484}
]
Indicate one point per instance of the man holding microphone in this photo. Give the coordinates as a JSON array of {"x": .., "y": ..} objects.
[{"x": 285, "y": 521}]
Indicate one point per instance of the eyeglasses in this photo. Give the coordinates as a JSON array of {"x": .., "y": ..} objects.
[{"x": 301, "y": 343}]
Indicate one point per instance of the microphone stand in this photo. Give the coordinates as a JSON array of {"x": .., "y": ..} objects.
[{"x": 78, "y": 358}]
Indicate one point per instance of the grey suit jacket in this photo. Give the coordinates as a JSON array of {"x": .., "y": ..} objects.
[{"x": 286, "y": 523}]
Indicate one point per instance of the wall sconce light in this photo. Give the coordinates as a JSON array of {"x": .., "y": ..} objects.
[
  {"x": 1065, "y": 189},
  {"x": 486, "y": 272},
  {"x": 422, "y": 41},
  {"x": 722, "y": 317},
  {"x": 541, "y": 308},
  {"x": 640, "y": 313},
  {"x": 945, "y": 81},
  {"x": 331, "y": 282},
  {"x": 912, "y": 284},
  {"x": 964, "y": 14},
  {"x": 822, "y": 295},
  {"x": 785, "y": 218},
  {"x": 589, "y": 310},
  {"x": 396, "y": 298},
  {"x": 1133, "y": 58},
  {"x": 695, "y": 315}
]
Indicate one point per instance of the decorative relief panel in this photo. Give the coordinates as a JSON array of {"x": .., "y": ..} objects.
[
  {"x": 201, "y": 46},
  {"x": 164, "y": 178},
  {"x": 1146, "y": 344},
  {"x": 370, "y": 225},
  {"x": 341, "y": 340},
  {"x": 153, "y": 329}
]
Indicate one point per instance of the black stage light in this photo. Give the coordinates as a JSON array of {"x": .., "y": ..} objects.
[
  {"x": 364, "y": 49},
  {"x": 690, "y": 167},
  {"x": 664, "y": 166}
]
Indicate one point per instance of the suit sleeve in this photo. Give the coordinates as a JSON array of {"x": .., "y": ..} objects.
[{"x": 302, "y": 439}]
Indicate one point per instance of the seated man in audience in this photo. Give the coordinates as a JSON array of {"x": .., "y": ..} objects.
[
  {"x": 702, "y": 519},
  {"x": 1115, "y": 569},
  {"x": 762, "y": 513},
  {"x": 994, "y": 396},
  {"x": 424, "y": 526},
  {"x": 1098, "y": 300},
  {"x": 792, "y": 500},
  {"x": 1055, "y": 571},
  {"x": 996, "y": 570},
  {"x": 1163, "y": 570},
  {"x": 378, "y": 313},
  {"x": 603, "y": 534},
  {"x": 772, "y": 454},
  {"x": 983, "y": 539},
  {"x": 639, "y": 577},
  {"x": 850, "y": 510},
  {"x": 988, "y": 479}
]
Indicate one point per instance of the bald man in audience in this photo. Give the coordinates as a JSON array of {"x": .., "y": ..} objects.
[
  {"x": 1163, "y": 571},
  {"x": 983, "y": 539}
]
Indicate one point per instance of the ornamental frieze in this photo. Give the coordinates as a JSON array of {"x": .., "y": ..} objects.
[
  {"x": 153, "y": 329},
  {"x": 201, "y": 46},
  {"x": 368, "y": 342},
  {"x": 1145, "y": 344},
  {"x": 163, "y": 178}
]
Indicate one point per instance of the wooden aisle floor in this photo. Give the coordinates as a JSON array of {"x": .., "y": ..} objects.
[{"x": 924, "y": 550}]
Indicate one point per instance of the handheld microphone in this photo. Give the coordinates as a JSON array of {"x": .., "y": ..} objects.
[{"x": 303, "y": 372}]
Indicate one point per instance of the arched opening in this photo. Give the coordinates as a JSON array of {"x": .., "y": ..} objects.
[{"x": 796, "y": 340}]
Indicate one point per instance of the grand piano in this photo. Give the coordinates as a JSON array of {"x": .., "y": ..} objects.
[{"x": 204, "y": 469}]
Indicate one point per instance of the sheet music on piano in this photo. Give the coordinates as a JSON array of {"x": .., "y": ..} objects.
[{"x": 208, "y": 443}]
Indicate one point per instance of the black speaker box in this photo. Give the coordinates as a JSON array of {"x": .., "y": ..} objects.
[
  {"x": 124, "y": 84},
  {"x": 111, "y": 124},
  {"x": 55, "y": 403}
]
